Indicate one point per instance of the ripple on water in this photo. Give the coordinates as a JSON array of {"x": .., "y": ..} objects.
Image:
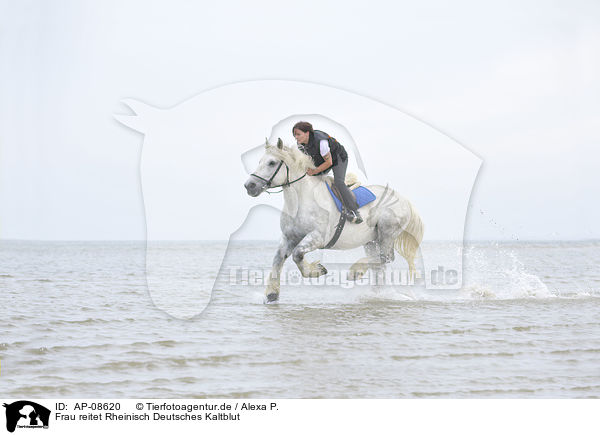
[
  {"x": 166, "y": 343},
  {"x": 457, "y": 355},
  {"x": 37, "y": 351},
  {"x": 187, "y": 380},
  {"x": 82, "y": 347},
  {"x": 81, "y": 322},
  {"x": 569, "y": 351},
  {"x": 160, "y": 343},
  {"x": 31, "y": 362},
  {"x": 523, "y": 328},
  {"x": 44, "y": 391},
  {"x": 118, "y": 366}
]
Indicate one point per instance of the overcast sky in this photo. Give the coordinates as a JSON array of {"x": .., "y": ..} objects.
[{"x": 515, "y": 82}]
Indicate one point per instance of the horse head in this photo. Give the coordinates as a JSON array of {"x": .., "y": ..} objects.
[{"x": 278, "y": 167}]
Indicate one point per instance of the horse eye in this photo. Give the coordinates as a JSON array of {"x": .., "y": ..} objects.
[{"x": 271, "y": 163}]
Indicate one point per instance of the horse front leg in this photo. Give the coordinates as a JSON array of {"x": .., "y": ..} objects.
[
  {"x": 310, "y": 242},
  {"x": 283, "y": 252}
]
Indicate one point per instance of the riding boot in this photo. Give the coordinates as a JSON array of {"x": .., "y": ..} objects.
[
  {"x": 358, "y": 219},
  {"x": 353, "y": 216}
]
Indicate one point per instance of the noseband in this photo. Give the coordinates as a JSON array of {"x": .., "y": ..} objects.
[{"x": 270, "y": 180}]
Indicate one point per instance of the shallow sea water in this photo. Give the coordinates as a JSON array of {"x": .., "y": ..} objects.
[{"x": 77, "y": 320}]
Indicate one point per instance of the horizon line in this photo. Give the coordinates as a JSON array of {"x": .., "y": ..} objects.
[{"x": 277, "y": 240}]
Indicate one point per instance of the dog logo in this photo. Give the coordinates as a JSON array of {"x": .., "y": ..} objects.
[{"x": 26, "y": 414}]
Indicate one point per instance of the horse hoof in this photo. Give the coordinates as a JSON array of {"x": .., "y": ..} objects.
[
  {"x": 317, "y": 270},
  {"x": 355, "y": 275},
  {"x": 271, "y": 297},
  {"x": 321, "y": 270}
]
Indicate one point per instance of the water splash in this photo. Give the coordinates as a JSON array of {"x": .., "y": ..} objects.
[{"x": 490, "y": 272}]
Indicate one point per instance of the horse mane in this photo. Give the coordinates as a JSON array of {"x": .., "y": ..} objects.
[{"x": 293, "y": 157}]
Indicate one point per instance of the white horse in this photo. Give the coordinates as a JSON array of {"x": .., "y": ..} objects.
[{"x": 310, "y": 217}]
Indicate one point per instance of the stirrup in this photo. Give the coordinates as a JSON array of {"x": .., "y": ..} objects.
[
  {"x": 353, "y": 216},
  {"x": 350, "y": 216}
]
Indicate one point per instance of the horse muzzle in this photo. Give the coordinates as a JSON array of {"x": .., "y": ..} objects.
[{"x": 254, "y": 187}]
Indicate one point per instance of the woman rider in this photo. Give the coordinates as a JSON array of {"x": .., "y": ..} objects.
[{"x": 327, "y": 153}]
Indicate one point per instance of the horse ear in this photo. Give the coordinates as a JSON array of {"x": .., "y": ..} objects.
[{"x": 279, "y": 143}]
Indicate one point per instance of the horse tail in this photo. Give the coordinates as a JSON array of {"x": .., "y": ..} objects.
[{"x": 407, "y": 243}]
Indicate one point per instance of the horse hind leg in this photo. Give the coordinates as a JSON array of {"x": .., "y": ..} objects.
[
  {"x": 358, "y": 269},
  {"x": 372, "y": 260},
  {"x": 379, "y": 251},
  {"x": 388, "y": 228}
]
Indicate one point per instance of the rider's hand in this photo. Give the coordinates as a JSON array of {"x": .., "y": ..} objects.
[{"x": 311, "y": 171}]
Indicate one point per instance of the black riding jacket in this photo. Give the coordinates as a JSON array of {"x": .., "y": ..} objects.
[{"x": 313, "y": 149}]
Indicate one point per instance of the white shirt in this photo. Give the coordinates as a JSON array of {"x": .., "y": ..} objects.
[{"x": 324, "y": 147}]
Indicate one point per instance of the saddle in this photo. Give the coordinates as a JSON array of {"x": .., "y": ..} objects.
[{"x": 362, "y": 195}]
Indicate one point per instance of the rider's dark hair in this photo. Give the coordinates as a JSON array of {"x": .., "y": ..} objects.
[{"x": 303, "y": 126}]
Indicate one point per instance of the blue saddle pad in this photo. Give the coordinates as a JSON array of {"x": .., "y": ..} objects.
[{"x": 362, "y": 194}]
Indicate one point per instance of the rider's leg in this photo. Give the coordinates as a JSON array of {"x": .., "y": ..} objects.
[{"x": 339, "y": 176}]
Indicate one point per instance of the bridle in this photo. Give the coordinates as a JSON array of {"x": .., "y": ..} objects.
[{"x": 270, "y": 180}]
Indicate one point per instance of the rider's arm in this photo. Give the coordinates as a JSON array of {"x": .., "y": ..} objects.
[
  {"x": 326, "y": 154},
  {"x": 326, "y": 164}
]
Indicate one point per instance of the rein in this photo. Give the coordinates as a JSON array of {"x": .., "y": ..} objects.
[{"x": 270, "y": 180}]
